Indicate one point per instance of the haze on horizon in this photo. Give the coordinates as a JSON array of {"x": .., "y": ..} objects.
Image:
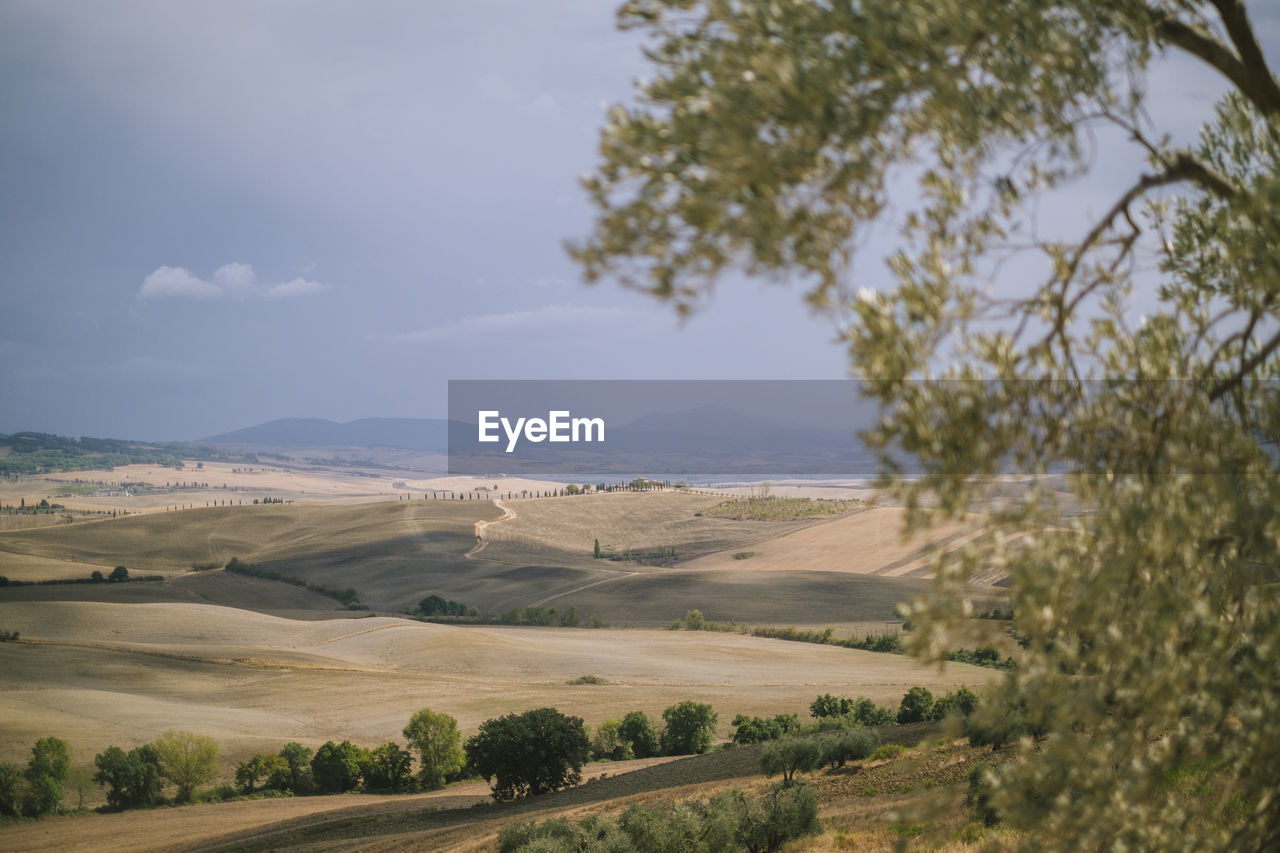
[{"x": 219, "y": 214}]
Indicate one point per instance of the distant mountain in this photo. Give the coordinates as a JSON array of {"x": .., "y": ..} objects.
[{"x": 404, "y": 433}]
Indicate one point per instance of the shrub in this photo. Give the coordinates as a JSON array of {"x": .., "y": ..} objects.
[
  {"x": 10, "y": 790},
  {"x": 888, "y": 750}
]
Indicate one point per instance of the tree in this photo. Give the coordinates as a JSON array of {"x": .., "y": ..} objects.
[
  {"x": 118, "y": 574},
  {"x": 853, "y": 744},
  {"x": 187, "y": 760},
  {"x": 637, "y": 729},
  {"x": 608, "y": 743},
  {"x": 10, "y": 790},
  {"x": 766, "y": 142},
  {"x": 439, "y": 746},
  {"x": 271, "y": 770},
  {"x": 298, "y": 760},
  {"x": 689, "y": 728},
  {"x": 530, "y": 753},
  {"x": 47, "y": 769},
  {"x": 387, "y": 768},
  {"x": 917, "y": 703},
  {"x": 132, "y": 778},
  {"x": 789, "y": 756},
  {"x": 336, "y": 767}
]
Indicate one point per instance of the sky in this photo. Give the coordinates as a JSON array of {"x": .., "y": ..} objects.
[{"x": 215, "y": 214}]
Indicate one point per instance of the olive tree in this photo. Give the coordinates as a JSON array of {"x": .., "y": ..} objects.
[{"x": 774, "y": 138}]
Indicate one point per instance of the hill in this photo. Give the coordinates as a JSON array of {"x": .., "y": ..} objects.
[{"x": 405, "y": 433}]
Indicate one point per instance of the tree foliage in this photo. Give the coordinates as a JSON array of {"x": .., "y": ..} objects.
[
  {"x": 775, "y": 136},
  {"x": 434, "y": 736},
  {"x": 689, "y": 728},
  {"x": 636, "y": 729},
  {"x": 132, "y": 778},
  {"x": 729, "y": 822},
  {"x": 336, "y": 767},
  {"x": 531, "y": 753},
  {"x": 187, "y": 760}
]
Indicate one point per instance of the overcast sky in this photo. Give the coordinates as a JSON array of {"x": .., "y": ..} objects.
[{"x": 217, "y": 214}]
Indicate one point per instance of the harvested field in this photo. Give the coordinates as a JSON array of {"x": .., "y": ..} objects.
[
  {"x": 865, "y": 541},
  {"x": 98, "y": 674},
  {"x": 563, "y": 531}
]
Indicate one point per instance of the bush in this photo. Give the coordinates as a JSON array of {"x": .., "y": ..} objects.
[
  {"x": 690, "y": 728},
  {"x": 916, "y": 705},
  {"x": 789, "y": 756},
  {"x": 530, "y": 753},
  {"x": 888, "y": 750}
]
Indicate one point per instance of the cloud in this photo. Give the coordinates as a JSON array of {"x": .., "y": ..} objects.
[
  {"x": 178, "y": 282},
  {"x": 552, "y": 318},
  {"x": 297, "y": 287},
  {"x": 234, "y": 280}
]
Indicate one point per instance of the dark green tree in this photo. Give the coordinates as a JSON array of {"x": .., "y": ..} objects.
[
  {"x": 298, "y": 760},
  {"x": 530, "y": 753},
  {"x": 10, "y": 790},
  {"x": 917, "y": 703},
  {"x": 118, "y": 574},
  {"x": 690, "y": 728},
  {"x": 132, "y": 778},
  {"x": 336, "y": 767},
  {"x": 636, "y": 729},
  {"x": 387, "y": 768}
]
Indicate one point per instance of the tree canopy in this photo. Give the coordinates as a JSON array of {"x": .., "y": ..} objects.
[
  {"x": 1135, "y": 355},
  {"x": 531, "y": 753}
]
